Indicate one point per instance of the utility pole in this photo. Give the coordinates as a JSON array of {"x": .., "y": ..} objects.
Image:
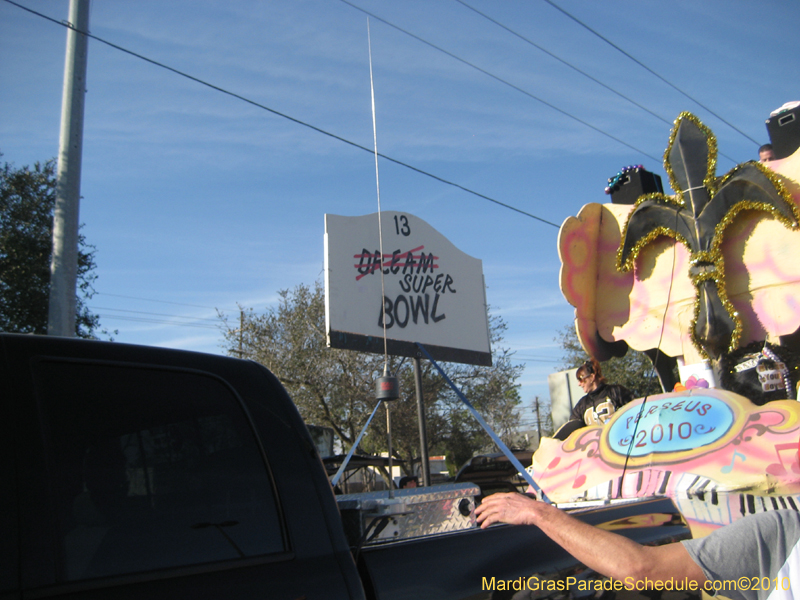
[
  {"x": 538, "y": 420},
  {"x": 241, "y": 333},
  {"x": 425, "y": 463},
  {"x": 64, "y": 263}
]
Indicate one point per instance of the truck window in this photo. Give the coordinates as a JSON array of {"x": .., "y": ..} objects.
[{"x": 152, "y": 469}]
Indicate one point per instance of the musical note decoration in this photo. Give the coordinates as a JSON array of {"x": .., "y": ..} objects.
[
  {"x": 779, "y": 469},
  {"x": 729, "y": 468}
]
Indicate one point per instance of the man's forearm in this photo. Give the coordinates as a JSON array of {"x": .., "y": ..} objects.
[{"x": 607, "y": 553}]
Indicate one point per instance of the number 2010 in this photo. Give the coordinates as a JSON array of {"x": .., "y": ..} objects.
[{"x": 684, "y": 431}]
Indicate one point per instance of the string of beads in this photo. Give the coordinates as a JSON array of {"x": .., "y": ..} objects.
[{"x": 615, "y": 182}]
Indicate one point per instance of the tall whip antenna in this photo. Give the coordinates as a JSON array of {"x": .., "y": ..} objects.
[
  {"x": 387, "y": 387},
  {"x": 378, "y": 184}
]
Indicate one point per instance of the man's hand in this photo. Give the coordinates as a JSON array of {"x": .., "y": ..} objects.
[{"x": 516, "y": 509}]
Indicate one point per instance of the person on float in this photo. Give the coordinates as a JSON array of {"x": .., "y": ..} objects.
[
  {"x": 766, "y": 153},
  {"x": 599, "y": 404}
]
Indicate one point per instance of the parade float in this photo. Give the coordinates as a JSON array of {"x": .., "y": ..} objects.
[{"x": 706, "y": 281}]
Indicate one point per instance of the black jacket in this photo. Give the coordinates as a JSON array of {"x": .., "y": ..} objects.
[{"x": 595, "y": 408}]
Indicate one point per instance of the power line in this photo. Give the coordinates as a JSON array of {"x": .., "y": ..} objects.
[
  {"x": 535, "y": 359},
  {"x": 159, "y": 301},
  {"x": 140, "y": 312},
  {"x": 648, "y": 69},
  {"x": 157, "y": 321},
  {"x": 176, "y": 320},
  {"x": 564, "y": 62},
  {"x": 172, "y": 320},
  {"x": 293, "y": 119},
  {"x": 501, "y": 80},
  {"x": 573, "y": 67}
]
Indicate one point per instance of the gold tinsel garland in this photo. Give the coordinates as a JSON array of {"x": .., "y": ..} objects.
[
  {"x": 718, "y": 277},
  {"x": 711, "y": 168},
  {"x": 627, "y": 265}
]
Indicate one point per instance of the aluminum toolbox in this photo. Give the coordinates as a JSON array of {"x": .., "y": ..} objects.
[{"x": 374, "y": 517}]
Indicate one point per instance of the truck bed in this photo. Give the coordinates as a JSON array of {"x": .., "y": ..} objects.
[{"x": 471, "y": 564}]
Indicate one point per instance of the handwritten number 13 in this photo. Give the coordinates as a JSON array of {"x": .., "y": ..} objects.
[{"x": 404, "y": 228}]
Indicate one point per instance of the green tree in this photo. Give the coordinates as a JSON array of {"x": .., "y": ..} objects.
[
  {"x": 634, "y": 370},
  {"x": 336, "y": 388},
  {"x": 27, "y": 204}
]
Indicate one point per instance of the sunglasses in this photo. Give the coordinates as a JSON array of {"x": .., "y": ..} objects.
[{"x": 587, "y": 366}]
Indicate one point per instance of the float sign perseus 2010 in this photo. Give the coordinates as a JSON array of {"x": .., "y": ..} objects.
[{"x": 434, "y": 293}]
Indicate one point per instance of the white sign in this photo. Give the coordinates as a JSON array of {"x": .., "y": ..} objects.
[{"x": 434, "y": 293}]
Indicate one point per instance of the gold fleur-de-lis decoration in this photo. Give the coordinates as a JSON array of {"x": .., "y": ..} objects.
[{"x": 697, "y": 216}]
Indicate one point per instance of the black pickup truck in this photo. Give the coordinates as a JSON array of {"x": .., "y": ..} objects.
[{"x": 134, "y": 472}]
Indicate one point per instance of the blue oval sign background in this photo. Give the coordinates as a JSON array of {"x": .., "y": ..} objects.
[{"x": 670, "y": 425}]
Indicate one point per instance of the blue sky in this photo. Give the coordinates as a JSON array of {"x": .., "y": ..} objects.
[{"x": 198, "y": 201}]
